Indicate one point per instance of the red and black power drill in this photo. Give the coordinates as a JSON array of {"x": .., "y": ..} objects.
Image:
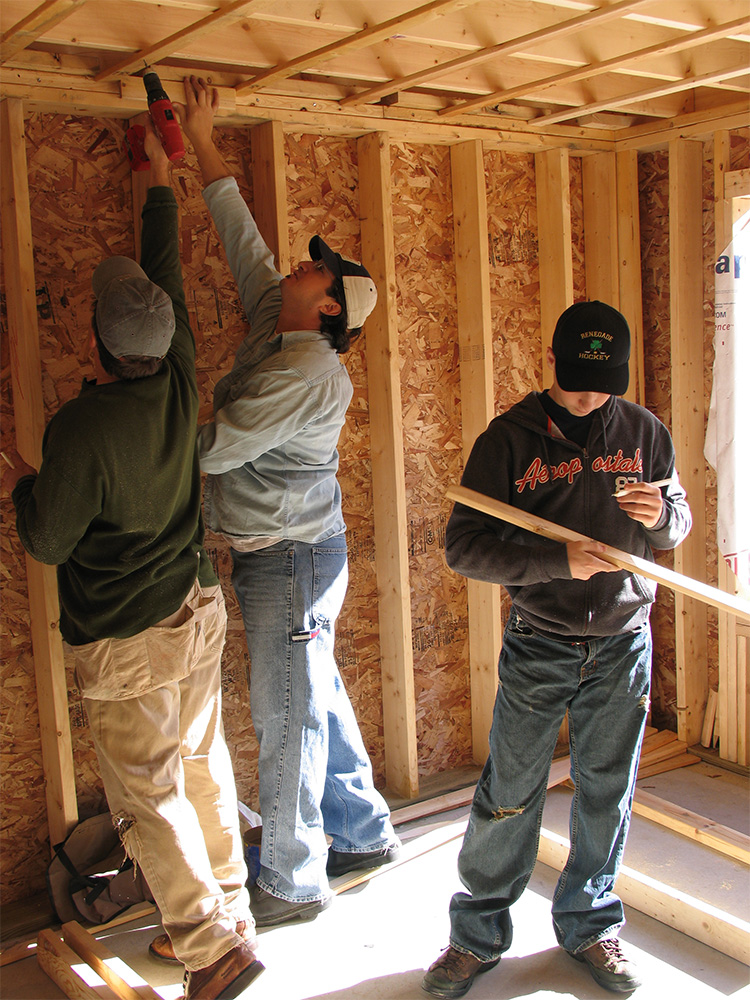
[{"x": 165, "y": 123}]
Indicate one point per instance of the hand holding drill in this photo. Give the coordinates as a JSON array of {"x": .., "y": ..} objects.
[{"x": 165, "y": 123}]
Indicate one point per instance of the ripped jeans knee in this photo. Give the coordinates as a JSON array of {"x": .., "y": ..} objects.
[{"x": 505, "y": 812}]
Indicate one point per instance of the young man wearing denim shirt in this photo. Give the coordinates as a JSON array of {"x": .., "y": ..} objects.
[
  {"x": 271, "y": 457},
  {"x": 577, "y": 639}
]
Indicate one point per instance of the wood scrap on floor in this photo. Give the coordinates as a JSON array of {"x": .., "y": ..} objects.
[
  {"x": 705, "y": 831},
  {"x": 25, "y": 946},
  {"x": 661, "y": 752},
  {"x": 84, "y": 968},
  {"x": 62, "y": 965},
  {"x": 710, "y": 732}
]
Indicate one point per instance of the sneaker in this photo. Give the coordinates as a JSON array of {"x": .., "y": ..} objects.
[
  {"x": 453, "y": 973},
  {"x": 270, "y": 911},
  {"x": 162, "y": 948},
  {"x": 340, "y": 862},
  {"x": 610, "y": 967},
  {"x": 226, "y": 978}
]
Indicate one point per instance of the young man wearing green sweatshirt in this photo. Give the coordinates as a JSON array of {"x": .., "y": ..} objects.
[{"x": 116, "y": 505}]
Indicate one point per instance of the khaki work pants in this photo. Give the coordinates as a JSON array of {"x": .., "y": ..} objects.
[{"x": 154, "y": 707}]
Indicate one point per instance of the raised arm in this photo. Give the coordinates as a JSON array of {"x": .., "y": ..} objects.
[
  {"x": 197, "y": 119},
  {"x": 160, "y": 244}
]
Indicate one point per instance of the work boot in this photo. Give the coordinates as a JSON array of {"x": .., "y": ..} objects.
[
  {"x": 453, "y": 973},
  {"x": 271, "y": 911},
  {"x": 340, "y": 862},
  {"x": 225, "y": 978},
  {"x": 161, "y": 947},
  {"x": 610, "y": 967}
]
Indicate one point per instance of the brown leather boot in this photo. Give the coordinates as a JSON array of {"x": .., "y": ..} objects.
[
  {"x": 225, "y": 978},
  {"x": 161, "y": 947}
]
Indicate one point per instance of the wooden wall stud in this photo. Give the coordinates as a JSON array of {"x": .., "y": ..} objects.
[
  {"x": 686, "y": 307},
  {"x": 388, "y": 477},
  {"x": 23, "y": 339},
  {"x": 477, "y": 409}
]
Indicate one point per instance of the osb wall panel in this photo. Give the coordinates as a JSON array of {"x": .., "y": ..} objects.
[
  {"x": 514, "y": 282},
  {"x": 514, "y": 276},
  {"x": 430, "y": 387}
]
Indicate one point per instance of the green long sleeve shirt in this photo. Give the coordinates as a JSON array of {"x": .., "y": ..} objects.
[{"x": 117, "y": 501}]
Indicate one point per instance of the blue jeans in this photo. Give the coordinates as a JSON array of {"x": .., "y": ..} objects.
[
  {"x": 604, "y": 685},
  {"x": 314, "y": 773}
]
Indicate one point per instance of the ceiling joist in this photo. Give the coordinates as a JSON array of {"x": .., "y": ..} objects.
[
  {"x": 34, "y": 25},
  {"x": 363, "y": 39},
  {"x": 590, "y": 71},
  {"x": 180, "y": 38},
  {"x": 513, "y": 45},
  {"x": 495, "y": 67}
]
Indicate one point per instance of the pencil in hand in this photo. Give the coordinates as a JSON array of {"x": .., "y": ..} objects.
[{"x": 659, "y": 483}]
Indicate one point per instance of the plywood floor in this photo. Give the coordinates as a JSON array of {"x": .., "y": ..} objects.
[{"x": 376, "y": 940}]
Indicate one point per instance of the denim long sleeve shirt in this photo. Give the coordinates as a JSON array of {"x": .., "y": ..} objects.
[{"x": 271, "y": 450}]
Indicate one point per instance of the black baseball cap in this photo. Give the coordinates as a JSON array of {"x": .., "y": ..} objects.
[
  {"x": 591, "y": 344},
  {"x": 360, "y": 292}
]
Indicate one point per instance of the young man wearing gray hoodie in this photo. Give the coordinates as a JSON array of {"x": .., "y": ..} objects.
[{"x": 577, "y": 639}]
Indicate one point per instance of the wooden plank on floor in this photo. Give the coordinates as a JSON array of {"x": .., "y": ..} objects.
[
  {"x": 672, "y": 749},
  {"x": 17, "y": 951},
  {"x": 559, "y": 773},
  {"x": 126, "y": 984},
  {"x": 722, "y": 931},
  {"x": 431, "y": 807},
  {"x": 657, "y": 739},
  {"x": 688, "y": 824},
  {"x": 682, "y": 760},
  {"x": 24, "y": 946},
  {"x": 65, "y": 968}
]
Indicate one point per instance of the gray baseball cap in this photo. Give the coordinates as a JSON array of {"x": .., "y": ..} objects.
[{"x": 133, "y": 315}]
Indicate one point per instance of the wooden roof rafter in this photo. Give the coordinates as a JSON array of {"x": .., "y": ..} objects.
[{"x": 590, "y": 70}]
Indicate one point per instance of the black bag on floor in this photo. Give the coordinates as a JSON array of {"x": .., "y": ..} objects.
[{"x": 91, "y": 877}]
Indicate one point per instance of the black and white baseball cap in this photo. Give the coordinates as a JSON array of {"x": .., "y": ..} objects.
[{"x": 360, "y": 292}]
